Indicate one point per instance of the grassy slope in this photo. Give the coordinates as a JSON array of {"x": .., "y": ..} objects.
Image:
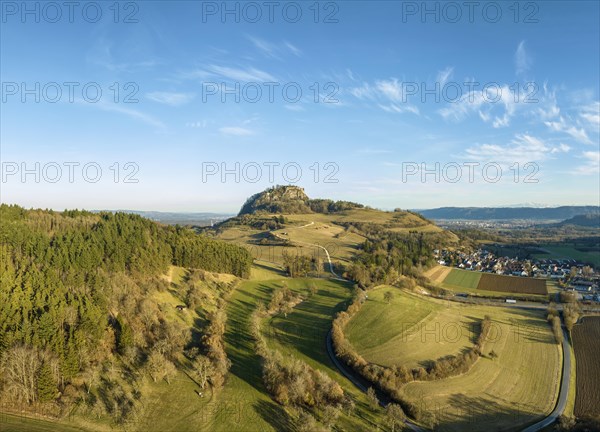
[
  {"x": 305, "y": 328},
  {"x": 516, "y": 388},
  {"x": 13, "y": 423},
  {"x": 325, "y": 232},
  {"x": 302, "y": 334},
  {"x": 409, "y": 330}
]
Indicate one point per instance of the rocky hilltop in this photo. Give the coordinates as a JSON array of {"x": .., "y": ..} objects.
[
  {"x": 291, "y": 200},
  {"x": 278, "y": 199}
]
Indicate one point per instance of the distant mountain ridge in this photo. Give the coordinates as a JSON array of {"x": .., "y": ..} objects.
[
  {"x": 176, "y": 218},
  {"x": 508, "y": 213}
]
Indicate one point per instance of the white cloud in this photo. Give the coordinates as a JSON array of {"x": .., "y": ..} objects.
[
  {"x": 562, "y": 126},
  {"x": 468, "y": 103},
  {"x": 293, "y": 49},
  {"x": 129, "y": 112},
  {"x": 591, "y": 115},
  {"x": 388, "y": 93},
  {"x": 249, "y": 74},
  {"x": 522, "y": 59},
  {"x": 394, "y": 108},
  {"x": 522, "y": 149},
  {"x": 170, "y": 98},
  {"x": 294, "y": 107},
  {"x": 484, "y": 103},
  {"x": 444, "y": 75},
  {"x": 592, "y": 163},
  {"x": 391, "y": 89},
  {"x": 236, "y": 131},
  {"x": 274, "y": 50}
]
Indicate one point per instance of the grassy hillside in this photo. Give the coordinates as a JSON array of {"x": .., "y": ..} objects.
[
  {"x": 506, "y": 392},
  {"x": 410, "y": 331},
  {"x": 301, "y": 334},
  {"x": 332, "y": 231}
]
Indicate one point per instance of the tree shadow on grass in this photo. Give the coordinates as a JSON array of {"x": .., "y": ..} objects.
[
  {"x": 275, "y": 415},
  {"x": 478, "y": 414}
]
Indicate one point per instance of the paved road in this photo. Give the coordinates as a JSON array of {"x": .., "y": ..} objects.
[{"x": 564, "y": 389}]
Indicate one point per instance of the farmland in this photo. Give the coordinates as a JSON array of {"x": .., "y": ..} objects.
[
  {"x": 587, "y": 351},
  {"x": 462, "y": 279},
  {"x": 569, "y": 251},
  {"x": 512, "y": 284},
  {"x": 477, "y": 283},
  {"x": 516, "y": 388}
]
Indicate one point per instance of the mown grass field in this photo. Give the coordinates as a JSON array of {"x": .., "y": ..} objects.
[
  {"x": 409, "y": 331},
  {"x": 518, "y": 387},
  {"x": 14, "y": 423},
  {"x": 462, "y": 279}
]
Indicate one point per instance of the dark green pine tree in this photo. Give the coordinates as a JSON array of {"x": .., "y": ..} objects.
[
  {"x": 69, "y": 363},
  {"x": 124, "y": 336},
  {"x": 46, "y": 384}
]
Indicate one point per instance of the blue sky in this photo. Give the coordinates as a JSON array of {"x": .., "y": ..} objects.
[{"x": 396, "y": 92}]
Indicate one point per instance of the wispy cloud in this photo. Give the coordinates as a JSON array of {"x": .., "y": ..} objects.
[
  {"x": 395, "y": 108},
  {"x": 239, "y": 74},
  {"x": 274, "y": 50},
  {"x": 485, "y": 103},
  {"x": 590, "y": 114},
  {"x": 294, "y": 107},
  {"x": 249, "y": 74},
  {"x": 131, "y": 113},
  {"x": 563, "y": 125},
  {"x": 522, "y": 59},
  {"x": 236, "y": 131},
  {"x": 591, "y": 163},
  {"x": 170, "y": 98},
  {"x": 444, "y": 75},
  {"x": 523, "y": 148},
  {"x": 388, "y": 93},
  {"x": 102, "y": 54}
]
